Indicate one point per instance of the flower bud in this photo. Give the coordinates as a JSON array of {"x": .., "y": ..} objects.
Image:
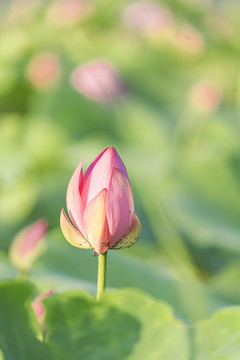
[
  {"x": 98, "y": 80},
  {"x": 27, "y": 245},
  {"x": 43, "y": 70},
  {"x": 146, "y": 16},
  {"x": 100, "y": 206},
  {"x": 67, "y": 11},
  {"x": 206, "y": 96},
  {"x": 38, "y": 306},
  {"x": 189, "y": 41}
]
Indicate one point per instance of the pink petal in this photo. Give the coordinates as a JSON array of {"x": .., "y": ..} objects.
[
  {"x": 32, "y": 236},
  {"x": 67, "y": 11},
  {"x": 98, "y": 80},
  {"x": 146, "y": 15},
  {"x": 72, "y": 235},
  {"x": 119, "y": 207},
  {"x": 74, "y": 201},
  {"x": 117, "y": 161},
  {"x": 206, "y": 96},
  {"x": 131, "y": 237},
  {"x": 96, "y": 223},
  {"x": 99, "y": 173},
  {"x": 43, "y": 70},
  {"x": 28, "y": 245},
  {"x": 38, "y": 306},
  {"x": 89, "y": 169}
]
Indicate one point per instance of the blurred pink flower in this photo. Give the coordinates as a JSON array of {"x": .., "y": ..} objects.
[
  {"x": 206, "y": 96},
  {"x": 67, "y": 11},
  {"x": 27, "y": 245},
  {"x": 38, "y": 306},
  {"x": 189, "y": 40},
  {"x": 146, "y": 15},
  {"x": 97, "y": 80},
  {"x": 43, "y": 70},
  {"x": 100, "y": 205}
]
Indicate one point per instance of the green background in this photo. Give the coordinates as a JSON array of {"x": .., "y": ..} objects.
[{"x": 181, "y": 278}]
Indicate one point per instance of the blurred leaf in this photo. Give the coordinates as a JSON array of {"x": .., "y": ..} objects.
[
  {"x": 17, "y": 200},
  {"x": 7, "y": 79},
  {"x": 204, "y": 201},
  {"x": 7, "y": 270},
  {"x": 124, "y": 325},
  {"x": 224, "y": 282},
  {"x": 159, "y": 327},
  {"x": 219, "y": 337},
  {"x": 13, "y": 44},
  {"x": 65, "y": 267},
  {"x": 18, "y": 325}
]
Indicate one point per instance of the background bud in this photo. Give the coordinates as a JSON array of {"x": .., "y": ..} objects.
[
  {"x": 97, "y": 80},
  {"x": 28, "y": 245}
]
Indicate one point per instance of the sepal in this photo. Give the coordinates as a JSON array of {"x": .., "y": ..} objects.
[
  {"x": 72, "y": 235},
  {"x": 131, "y": 237}
]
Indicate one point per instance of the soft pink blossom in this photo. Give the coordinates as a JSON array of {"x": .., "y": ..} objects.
[
  {"x": 206, "y": 96},
  {"x": 43, "y": 70},
  {"x": 146, "y": 15},
  {"x": 38, "y": 306},
  {"x": 100, "y": 206},
  {"x": 67, "y": 11},
  {"x": 27, "y": 245},
  {"x": 97, "y": 80},
  {"x": 189, "y": 40}
]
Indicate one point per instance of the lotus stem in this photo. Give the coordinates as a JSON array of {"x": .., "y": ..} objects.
[{"x": 102, "y": 271}]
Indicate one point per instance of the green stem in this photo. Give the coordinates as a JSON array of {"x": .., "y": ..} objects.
[{"x": 102, "y": 271}]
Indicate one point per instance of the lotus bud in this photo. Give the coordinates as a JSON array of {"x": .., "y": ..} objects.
[
  {"x": 189, "y": 41},
  {"x": 67, "y": 12},
  {"x": 100, "y": 206},
  {"x": 43, "y": 70},
  {"x": 28, "y": 245},
  {"x": 147, "y": 16},
  {"x": 206, "y": 96},
  {"x": 98, "y": 80},
  {"x": 38, "y": 306}
]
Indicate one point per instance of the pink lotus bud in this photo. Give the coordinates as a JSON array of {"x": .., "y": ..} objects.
[
  {"x": 97, "y": 80},
  {"x": 189, "y": 40},
  {"x": 67, "y": 11},
  {"x": 43, "y": 70},
  {"x": 100, "y": 205},
  {"x": 27, "y": 245},
  {"x": 146, "y": 16},
  {"x": 206, "y": 96},
  {"x": 38, "y": 306}
]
